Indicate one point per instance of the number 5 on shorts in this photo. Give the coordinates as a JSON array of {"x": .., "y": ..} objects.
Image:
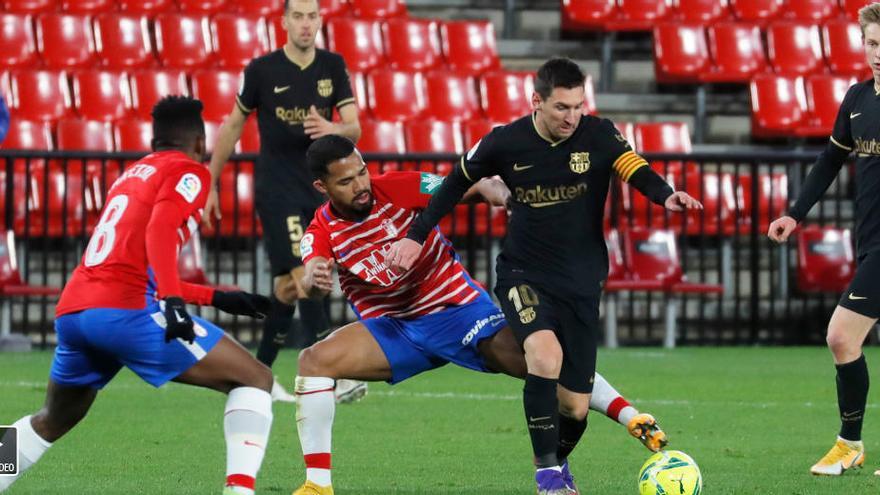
[{"x": 295, "y": 227}]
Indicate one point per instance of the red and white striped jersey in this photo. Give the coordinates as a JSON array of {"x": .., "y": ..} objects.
[{"x": 437, "y": 279}]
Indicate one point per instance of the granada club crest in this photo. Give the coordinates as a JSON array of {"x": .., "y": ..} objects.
[
  {"x": 579, "y": 162},
  {"x": 325, "y": 87}
]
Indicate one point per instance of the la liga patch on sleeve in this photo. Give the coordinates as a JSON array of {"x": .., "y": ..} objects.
[
  {"x": 189, "y": 187},
  {"x": 429, "y": 183}
]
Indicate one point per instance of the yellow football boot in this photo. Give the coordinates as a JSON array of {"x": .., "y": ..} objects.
[
  {"x": 644, "y": 427},
  {"x": 310, "y": 488},
  {"x": 844, "y": 455}
]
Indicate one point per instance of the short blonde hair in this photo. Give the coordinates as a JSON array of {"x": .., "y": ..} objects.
[{"x": 869, "y": 14}]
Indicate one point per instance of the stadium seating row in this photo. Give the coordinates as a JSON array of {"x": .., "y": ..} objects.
[
  {"x": 385, "y": 94},
  {"x": 734, "y": 52},
  {"x": 796, "y": 106},
  {"x": 329, "y": 8},
  {"x": 230, "y": 40},
  {"x": 643, "y": 15}
]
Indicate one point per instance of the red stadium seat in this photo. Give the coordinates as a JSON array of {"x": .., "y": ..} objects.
[
  {"x": 238, "y": 39},
  {"x": 64, "y": 200},
  {"x": 794, "y": 48},
  {"x": 377, "y": 9},
  {"x": 333, "y": 8},
  {"x": 278, "y": 36},
  {"x": 132, "y": 134},
  {"x": 586, "y": 14},
  {"x": 237, "y": 201},
  {"x": 589, "y": 107},
  {"x": 772, "y": 200},
  {"x": 182, "y": 40},
  {"x": 703, "y": 11},
  {"x": 101, "y": 95},
  {"x": 824, "y": 94},
  {"x": 217, "y": 90},
  {"x": 148, "y": 7},
  {"x": 842, "y": 43},
  {"x": 825, "y": 259},
  {"x": 451, "y": 96},
  {"x": 358, "y": 41},
  {"x": 65, "y": 41},
  {"x": 433, "y": 136},
  {"x": 812, "y": 11},
  {"x": 638, "y": 15},
  {"x": 506, "y": 96},
  {"x": 87, "y": 6},
  {"x": 212, "y": 127},
  {"x": 12, "y": 284},
  {"x": 737, "y": 52},
  {"x": 76, "y": 134},
  {"x": 39, "y": 94},
  {"x": 469, "y": 46},
  {"x": 123, "y": 41},
  {"x": 757, "y": 11},
  {"x": 17, "y": 46},
  {"x": 851, "y": 8},
  {"x": 662, "y": 137},
  {"x": 258, "y": 7},
  {"x": 208, "y": 7},
  {"x": 473, "y": 130},
  {"x": 378, "y": 136},
  {"x": 28, "y": 135},
  {"x": 653, "y": 255},
  {"x": 30, "y": 6},
  {"x": 778, "y": 105},
  {"x": 395, "y": 95},
  {"x": 680, "y": 52},
  {"x": 250, "y": 136},
  {"x": 148, "y": 86},
  {"x": 412, "y": 44}
]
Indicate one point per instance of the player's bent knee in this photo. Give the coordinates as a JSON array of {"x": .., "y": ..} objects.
[
  {"x": 576, "y": 410},
  {"x": 260, "y": 376},
  {"x": 314, "y": 362},
  {"x": 842, "y": 344}
]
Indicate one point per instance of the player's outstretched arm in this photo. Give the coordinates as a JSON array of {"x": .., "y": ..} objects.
[
  {"x": 821, "y": 176},
  {"x": 228, "y": 134},
  {"x": 241, "y": 303},
  {"x": 318, "y": 280},
  {"x": 680, "y": 201}
]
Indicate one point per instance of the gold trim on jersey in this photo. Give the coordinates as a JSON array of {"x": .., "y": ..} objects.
[
  {"x": 345, "y": 102},
  {"x": 545, "y": 138},
  {"x": 463, "y": 169},
  {"x": 241, "y": 106},
  {"x": 847, "y": 148},
  {"x": 627, "y": 164}
]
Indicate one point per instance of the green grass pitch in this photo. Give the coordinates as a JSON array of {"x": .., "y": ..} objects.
[{"x": 754, "y": 419}]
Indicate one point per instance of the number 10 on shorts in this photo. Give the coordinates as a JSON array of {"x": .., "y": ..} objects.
[{"x": 8, "y": 451}]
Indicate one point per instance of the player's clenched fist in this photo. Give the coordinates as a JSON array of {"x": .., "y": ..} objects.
[
  {"x": 781, "y": 228},
  {"x": 403, "y": 255}
]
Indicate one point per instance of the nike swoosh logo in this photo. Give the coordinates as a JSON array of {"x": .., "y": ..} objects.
[
  {"x": 281, "y": 89},
  {"x": 854, "y": 115},
  {"x": 519, "y": 168},
  {"x": 179, "y": 318},
  {"x": 854, "y": 297},
  {"x": 542, "y": 418},
  {"x": 252, "y": 444}
]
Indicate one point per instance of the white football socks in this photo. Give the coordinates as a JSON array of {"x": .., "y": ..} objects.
[
  {"x": 30, "y": 448},
  {"x": 246, "y": 423},
  {"x": 608, "y": 401},
  {"x": 315, "y": 408}
]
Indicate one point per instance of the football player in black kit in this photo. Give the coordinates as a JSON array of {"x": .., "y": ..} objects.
[
  {"x": 294, "y": 91},
  {"x": 856, "y": 130},
  {"x": 557, "y": 164}
]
